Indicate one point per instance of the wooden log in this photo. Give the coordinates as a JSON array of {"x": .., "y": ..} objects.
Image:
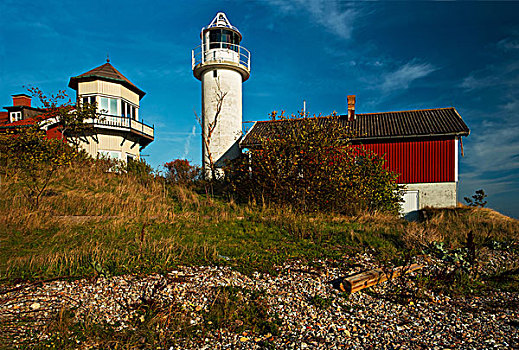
[{"x": 370, "y": 278}]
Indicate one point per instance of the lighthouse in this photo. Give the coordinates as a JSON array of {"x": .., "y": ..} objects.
[{"x": 222, "y": 65}]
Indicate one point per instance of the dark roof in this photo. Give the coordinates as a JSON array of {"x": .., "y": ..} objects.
[
  {"x": 374, "y": 126},
  {"x": 105, "y": 72}
]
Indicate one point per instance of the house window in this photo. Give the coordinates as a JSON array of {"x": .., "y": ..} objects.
[
  {"x": 128, "y": 110},
  {"x": 108, "y": 106},
  {"x": 109, "y": 154},
  {"x": 89, "y": 99},
  {"x": 15, "y": 116}
]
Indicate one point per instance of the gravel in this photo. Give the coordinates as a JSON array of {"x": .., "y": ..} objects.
[{"x": 375, "y": 318}]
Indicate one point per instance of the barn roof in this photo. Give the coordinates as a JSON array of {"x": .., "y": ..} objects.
[
  {"x": 373, "y": 126},
  {"x": 105, "y": 72}
]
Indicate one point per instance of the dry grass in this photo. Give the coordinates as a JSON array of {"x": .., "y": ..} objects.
[
  {"x": 95, "y": 222},
  {"x": 453, "y": 225}
]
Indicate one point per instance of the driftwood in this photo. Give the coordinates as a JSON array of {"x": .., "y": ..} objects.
[{"x": 369, "y": 278}]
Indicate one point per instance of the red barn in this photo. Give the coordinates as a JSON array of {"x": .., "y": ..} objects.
[{"x": 420, "y": 145}]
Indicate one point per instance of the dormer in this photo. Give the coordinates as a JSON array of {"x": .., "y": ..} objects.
[{"x": 21, "y": 108}]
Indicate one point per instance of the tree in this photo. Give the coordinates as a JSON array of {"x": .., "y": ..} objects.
[
  {"x": 477, "y": 200},
  {"x": 313, "y": 165},
  {"x": 208, "y": 132},
  {"x": 30, "y": 158},
  {"x": 74, "y": 120}
]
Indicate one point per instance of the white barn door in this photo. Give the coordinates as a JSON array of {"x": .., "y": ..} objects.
[{"x": 409, "y": 208}]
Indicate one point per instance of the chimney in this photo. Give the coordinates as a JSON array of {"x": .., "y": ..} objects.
[
  {"x": 22, "y": 100},
  {"x": 351, "y": 107}
]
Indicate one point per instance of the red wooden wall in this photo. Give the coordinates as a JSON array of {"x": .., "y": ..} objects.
[
  {"x": 418, "y": 160},
  {"x": 54, "y": 133}
]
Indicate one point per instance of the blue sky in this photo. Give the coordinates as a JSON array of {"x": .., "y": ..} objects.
[{"x": 392, "y": 55}]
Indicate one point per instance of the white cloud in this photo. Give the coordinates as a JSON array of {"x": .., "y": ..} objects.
[
  {"x": 504, "y": 75},
  {"x": 187, "y": 144},
  {"x": 402, "y": 77},
  {"x": 508, "y": 44},
  {"x": 335, "y": 16},
  {"x": 501, "y": 184},
  {"x": 494, "y": 150}
]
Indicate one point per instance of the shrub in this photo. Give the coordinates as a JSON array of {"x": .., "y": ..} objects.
[
  {"x": 477, "y": 200},
  {"x": 140, "y": 169},
  {"x": 31, "y": 159},
  {"x": 312, "y": 166},
  {"x": 180, "y": 171}
]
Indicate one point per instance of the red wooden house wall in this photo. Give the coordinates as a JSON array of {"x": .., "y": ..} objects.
[{"x": 418, "y": 160}]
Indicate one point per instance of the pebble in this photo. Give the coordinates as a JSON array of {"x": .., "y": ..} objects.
[{"x": 312, "y": 313}]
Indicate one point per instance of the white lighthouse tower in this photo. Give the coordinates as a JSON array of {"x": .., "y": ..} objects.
[{"x": 222, "y": 65}]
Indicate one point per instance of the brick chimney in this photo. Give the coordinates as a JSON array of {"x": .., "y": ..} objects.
[
  {"x": 351, "y": 107},
  {"x": 22, "y": 100}
]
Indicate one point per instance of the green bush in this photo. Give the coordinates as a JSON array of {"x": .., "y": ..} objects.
[{"x": 314, "y": 167}]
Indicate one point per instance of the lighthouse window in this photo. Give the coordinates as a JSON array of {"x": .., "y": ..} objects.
[
  {"x": 222, "y": 38},
  {"x": 215, "y": 37}
]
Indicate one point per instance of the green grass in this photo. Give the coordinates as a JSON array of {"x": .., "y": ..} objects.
[
  {"x": 95, "y": 223},
  {"x": 91, "y": 223}
]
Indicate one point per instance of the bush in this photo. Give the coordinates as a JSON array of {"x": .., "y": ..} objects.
[
  {"x": 314, "y": 167},
  {"x": 180, "y": 172},
  {"x": 140, "y": 169},
  {"x": 477, "y": 200},
  {"x": 29, "y": 158}
]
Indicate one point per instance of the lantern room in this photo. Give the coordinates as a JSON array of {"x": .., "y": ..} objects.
[{"x": 220, "y": 45}]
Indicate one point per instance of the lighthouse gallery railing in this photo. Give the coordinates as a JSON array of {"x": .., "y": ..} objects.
[{"x": 220, "y": 52}]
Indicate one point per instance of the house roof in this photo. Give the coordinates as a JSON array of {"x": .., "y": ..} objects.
[
  {"x": 31, "y": 120},
  {"x": 19, "y": 123},
  {"x": 105, "y": 72},
  {"x": 374, "y": 126}
]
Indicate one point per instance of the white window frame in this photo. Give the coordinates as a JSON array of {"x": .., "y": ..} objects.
[
  {"x": 15, "y": 116},
  {"x": 132, "y": 157},
  {"x": 128, "y": 103},
  {"x": 109, "y": 112},
  {"x": 110, "y": 154},
  {"x": 91, "y": 98}
]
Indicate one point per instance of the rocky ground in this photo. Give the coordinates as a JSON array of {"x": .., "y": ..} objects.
[{"x": 303, "y": 310}]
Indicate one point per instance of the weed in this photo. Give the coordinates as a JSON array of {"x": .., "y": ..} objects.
[
  {"x": 321, "y": 302},
  {"x": 241, "y": 310}
]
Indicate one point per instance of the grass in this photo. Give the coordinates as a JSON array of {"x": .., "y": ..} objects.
[{"x": 92, "y": 222}]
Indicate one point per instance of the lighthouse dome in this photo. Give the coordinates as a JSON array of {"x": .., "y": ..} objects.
[{"x": 221, "y": 25}]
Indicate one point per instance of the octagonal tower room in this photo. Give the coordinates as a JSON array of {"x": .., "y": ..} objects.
[{"x": 119, "y": 132}]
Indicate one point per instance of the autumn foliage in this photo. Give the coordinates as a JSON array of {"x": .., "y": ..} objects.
[
  {"x": 313, "y": 167},
  {"x": 180, "y": 171}
]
